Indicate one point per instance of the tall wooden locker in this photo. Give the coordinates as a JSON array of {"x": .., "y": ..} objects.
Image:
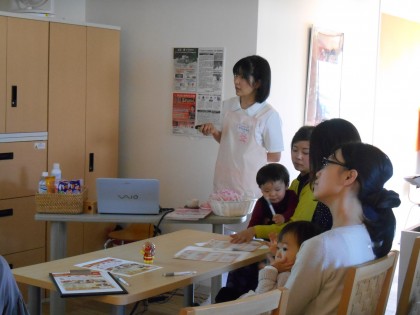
[{"x": 83, "y": 115}]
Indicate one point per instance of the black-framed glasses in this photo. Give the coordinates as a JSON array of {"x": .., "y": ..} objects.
[{"x": 326, "y": 161}]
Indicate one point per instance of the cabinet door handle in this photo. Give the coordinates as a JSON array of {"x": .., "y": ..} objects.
[
  {"x": 6, "y": 212},
  {"x": 6, "y": 155},
  {"x": 91, "y": 162},
  {"x": 14, "y": 95}
]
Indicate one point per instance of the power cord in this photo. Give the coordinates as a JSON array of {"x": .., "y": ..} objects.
[{"x": 165, "y": 212}]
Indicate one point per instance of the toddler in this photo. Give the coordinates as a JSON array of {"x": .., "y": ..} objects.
[
  {"x": 289, "y": 241},
  {"x": 277, "y": 203}
]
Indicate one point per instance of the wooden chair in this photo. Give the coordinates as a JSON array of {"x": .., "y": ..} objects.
[
  {"x": 274, "y": 302},
  {"x": 132, "y": 233},
  {"x": 409, "y": 302},
  {"x": 367, "y": 286}
]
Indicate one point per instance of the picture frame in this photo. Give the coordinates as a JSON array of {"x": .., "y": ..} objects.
[{"x": 323, "y": 91}]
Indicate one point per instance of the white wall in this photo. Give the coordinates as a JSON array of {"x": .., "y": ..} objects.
[
  {"x": 283, "y": 37},
  {"x": 150, "y": 30}
]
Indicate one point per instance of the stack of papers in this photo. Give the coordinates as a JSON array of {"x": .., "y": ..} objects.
[
  {"x": 188, "y": 214},
  {"x": 218, "y": 251}
]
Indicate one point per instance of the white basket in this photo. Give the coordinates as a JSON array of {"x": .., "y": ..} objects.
[{"x": 232, "y": 208}]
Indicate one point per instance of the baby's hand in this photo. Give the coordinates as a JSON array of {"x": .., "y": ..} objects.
[
  {"x": 273, "y": 243},
  {"x": 282, "y": 265},
  {"x": 278, "y": 218}
]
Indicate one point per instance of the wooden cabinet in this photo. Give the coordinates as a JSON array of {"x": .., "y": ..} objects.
[
  {"x": 63, "y": 79},
  {"x": 22, "y": 163},
  {"x": 23, "y": 110},
  {"x": 84, "y": 115},
  {"x": 26, "y": 70}
]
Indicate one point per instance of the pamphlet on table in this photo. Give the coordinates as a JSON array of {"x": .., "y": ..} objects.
[
  {"x": 118, "y": 266},
  {"x": 86, "y": 282}
]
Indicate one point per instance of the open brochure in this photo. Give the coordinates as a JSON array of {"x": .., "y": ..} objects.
[
  {"x": 86, "y": 282},
  {"x": 188, "y": 214},
  {"x": 227, "y": 245},
  {"x": 208, "y": 254},
  {"x": 118, "y": 266}
]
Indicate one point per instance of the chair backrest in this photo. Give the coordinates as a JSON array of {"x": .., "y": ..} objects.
[
  {"x": 409, "y": 302},
  {"x": 366, "y": 286},
  {"x": 274, "y": 301}
]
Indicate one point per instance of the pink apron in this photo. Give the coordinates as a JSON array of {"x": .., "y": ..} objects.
[{"x": 240, "y": 156}]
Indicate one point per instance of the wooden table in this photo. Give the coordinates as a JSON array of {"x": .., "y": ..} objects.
[
  {"x": 142, "y": 286},
  {"x": 58, "y": 231}
]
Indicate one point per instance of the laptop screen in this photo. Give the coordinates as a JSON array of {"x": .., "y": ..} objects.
[{"x": 127, "y": 195}]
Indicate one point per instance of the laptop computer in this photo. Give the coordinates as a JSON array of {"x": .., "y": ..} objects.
[{"x": 127, "y": 195}]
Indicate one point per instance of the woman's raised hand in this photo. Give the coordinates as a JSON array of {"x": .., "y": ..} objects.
[{"x": 243, "y": 236}]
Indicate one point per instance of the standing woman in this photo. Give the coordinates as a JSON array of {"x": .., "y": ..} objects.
[
  {"x": 251, "y": 134},
  {"x": 351, "y": 185}
]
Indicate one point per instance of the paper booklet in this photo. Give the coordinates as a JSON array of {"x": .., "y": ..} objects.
[
  {"x": 188, "y": 214},
  {"x": 118, "y": 266},
  {"x": 227, "y": 245},
  {"x": 208, "y": 254},
  {"x": 86, "y": 282}
]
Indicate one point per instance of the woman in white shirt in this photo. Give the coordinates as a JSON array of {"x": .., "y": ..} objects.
[
  {"x": 251, "y": 134},
  {"x": 351, "y": 185}
]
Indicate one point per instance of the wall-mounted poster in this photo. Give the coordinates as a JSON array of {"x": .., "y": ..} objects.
[
  {"x": 324, "y": 76},
  {"x": 198, "y": 83}
]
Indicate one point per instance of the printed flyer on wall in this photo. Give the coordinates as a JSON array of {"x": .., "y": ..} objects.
[{"x": 198, "y": 83}]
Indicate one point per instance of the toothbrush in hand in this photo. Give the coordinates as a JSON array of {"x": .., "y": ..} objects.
[{"x": 271, "y": 206}]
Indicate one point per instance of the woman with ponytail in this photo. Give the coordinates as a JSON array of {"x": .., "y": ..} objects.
[{"x": 351, "y": 184}]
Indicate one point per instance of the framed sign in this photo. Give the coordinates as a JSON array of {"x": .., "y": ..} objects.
[{"x": 323, "y": 91}]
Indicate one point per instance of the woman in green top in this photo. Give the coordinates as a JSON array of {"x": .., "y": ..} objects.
[{"x": 306, "y": 206}]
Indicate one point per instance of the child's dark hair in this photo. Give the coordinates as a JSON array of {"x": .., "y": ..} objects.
[
  {"x": 258, "y": 68},
  {"x": 273, "y": 172},
  {"x": 303, "y": 134},
  {"x": 302, "y": 230}
]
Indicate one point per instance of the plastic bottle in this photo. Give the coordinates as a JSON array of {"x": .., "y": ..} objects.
[
  {"x": 42, "y": 186},
  {"x": 56, "y": 172}
]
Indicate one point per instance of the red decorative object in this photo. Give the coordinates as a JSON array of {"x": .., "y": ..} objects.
[{"x": 148, "y": 252}]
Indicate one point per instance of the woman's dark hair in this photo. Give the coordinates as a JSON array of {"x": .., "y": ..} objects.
[
  {"x": 325, "y": 137},
  {"x": 374, "y": 169},
  {"x": 303, "y": 134},
  {"x": 302, "y": 230},
  {"x": 258, "y": 68},
  {"x": 273, "y": 172}
]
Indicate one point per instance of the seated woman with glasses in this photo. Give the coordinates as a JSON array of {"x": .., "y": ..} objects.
[{"x": 351, "y": 184}]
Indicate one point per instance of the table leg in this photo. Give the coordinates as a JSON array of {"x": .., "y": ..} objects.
[
  {"x": 58, "y": 240},
  {"x": 216, "y": 285},
  {"x": 189, "y": 295},
  {"x": 118, "y": 310},
  {"x": 58, "y": 250},
  {"x": 57, "y": 304},
  {"x": 217, "y": 228},
  {"x": 216, "y": 282},
  {"x": 34, "y": 300}
]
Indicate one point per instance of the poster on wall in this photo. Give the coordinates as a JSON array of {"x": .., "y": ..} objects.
[
  {"x": 197, "y": 91},
  {"x": 323, "y": 91}
]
